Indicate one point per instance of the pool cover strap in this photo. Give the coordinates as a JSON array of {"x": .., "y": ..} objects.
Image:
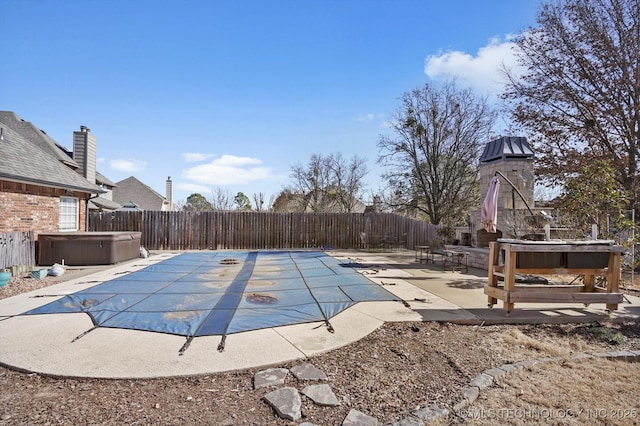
[
  {"x": 218, "y": 320},
  {"x": 324, "y": 315}
]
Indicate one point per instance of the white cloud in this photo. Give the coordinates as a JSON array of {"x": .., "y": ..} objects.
[
  {"x": 127, "y": 165},
  {"x": 229, "y": 170},
  {"x": 192, "y": 188},
  {"x": 365, "y": 118},
  {"x": 192, "y": 157},
  {"x": 481, "y": 72}
]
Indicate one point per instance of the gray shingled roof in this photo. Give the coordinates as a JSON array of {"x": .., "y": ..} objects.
[
  {"x": 102, "y": 179},
  {"x": 36, "y": 161},
  {"x": 506, "y": 147},
  {"x": 30, "y": 132},
  {"x": 131, "y": 189},
  {"x": 101, "y": 203}
]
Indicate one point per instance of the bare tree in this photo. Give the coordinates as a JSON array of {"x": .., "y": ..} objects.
[
  {"x": 221, "y": 200},
  {"x": 432, "y": 158},
  {"x": 312, "y": 181},
  {"x": 326, "y": 184},
  {"x": 259, "y": 202},
  {"x": 579, "y": 96},
  {"x": 347, "y": 180}
]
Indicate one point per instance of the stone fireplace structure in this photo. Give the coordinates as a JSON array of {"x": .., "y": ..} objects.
[{"x": 511, "y": 158}]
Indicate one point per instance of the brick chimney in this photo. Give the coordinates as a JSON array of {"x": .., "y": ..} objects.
[
  {"x": 84, "y": 153},
  {"x": 169, "y": 193}
]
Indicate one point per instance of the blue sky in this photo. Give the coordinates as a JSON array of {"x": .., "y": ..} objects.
[{"x": 230, "y": 94}]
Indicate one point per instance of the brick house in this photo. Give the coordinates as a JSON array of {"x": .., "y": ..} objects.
[{"x": 43, "y": 187}]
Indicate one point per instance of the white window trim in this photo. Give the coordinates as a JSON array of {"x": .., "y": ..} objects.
[{"x": 72, "y": 204}]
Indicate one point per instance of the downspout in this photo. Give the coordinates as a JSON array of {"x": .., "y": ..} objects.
[{"x": 86, "y": 212}]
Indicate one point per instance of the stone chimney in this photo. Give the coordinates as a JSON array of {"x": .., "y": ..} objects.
[
  {"x": 84, "y": 153},
  {"x": 169, "y": 193},
  {"x": 513, "y": 157}
]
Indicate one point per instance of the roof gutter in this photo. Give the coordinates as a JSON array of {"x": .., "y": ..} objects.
[{"x": 18, "y": 179}]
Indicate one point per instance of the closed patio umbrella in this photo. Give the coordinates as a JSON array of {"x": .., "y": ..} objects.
[{"x": 489, "y": 213}]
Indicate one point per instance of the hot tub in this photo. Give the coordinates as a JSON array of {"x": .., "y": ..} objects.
[{"x": 88, "y": 248}]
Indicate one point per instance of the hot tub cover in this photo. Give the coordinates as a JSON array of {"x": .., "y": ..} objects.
[{"x": 218, "y": 293}]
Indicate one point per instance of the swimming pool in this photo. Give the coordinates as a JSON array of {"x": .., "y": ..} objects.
[{"x": 224, "y": 292}]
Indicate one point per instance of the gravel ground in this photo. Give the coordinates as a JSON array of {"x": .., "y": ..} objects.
[{"x": 396, "y": 369}]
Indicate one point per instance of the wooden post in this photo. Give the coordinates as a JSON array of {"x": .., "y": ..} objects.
[
  {"x": 493, "y": 279},
  {"x": 509, "y": 277},
  {"x": 589, "y": 283},
  {"x": 613, "y": 277}
]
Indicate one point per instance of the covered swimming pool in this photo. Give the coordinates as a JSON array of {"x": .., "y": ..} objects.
[{"x": 224, "y": 292}]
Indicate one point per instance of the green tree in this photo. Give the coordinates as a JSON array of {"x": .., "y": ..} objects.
[
  {"x": 578, "y": 98},
  {"x": 432, "y": 157},
  {"x": 242, "y": 202},
  {"x": 197, "y": 202},
  {"x": 593, "y": 196}
]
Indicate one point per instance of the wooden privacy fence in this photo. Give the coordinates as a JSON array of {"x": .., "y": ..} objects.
[
  {"x": 17, "y": 249},
  {"x": 260, "y": 230}
]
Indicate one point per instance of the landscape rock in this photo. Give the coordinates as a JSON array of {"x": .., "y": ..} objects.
[
  {"x": 357, "y": 418},
  {"x": 471, "y": 394},
  {"x": 270, "y": 377},
  {"x": 409, "y": 421},
  {"x": 432, "y": 412},
  {"x": 308, "y": 372},
  {"x": 286, "y": 402},
  {"x": 497, "y": 374},
  {"x": 321, "y": 395},
  {"x": 482, "y": 381}
]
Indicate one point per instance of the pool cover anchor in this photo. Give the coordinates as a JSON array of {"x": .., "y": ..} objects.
[
  {"x": 84, "y": 333},
  {"x": 221, "y": 344},
  {"x": 185, "y": 346},
  {"x": 330, "y": 328}
]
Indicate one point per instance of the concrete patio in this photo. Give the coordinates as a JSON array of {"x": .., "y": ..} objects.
[{"x": 49, "y": 344}]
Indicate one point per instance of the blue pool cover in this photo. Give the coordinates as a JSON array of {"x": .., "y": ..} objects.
[{"x": 219, "y": 293}]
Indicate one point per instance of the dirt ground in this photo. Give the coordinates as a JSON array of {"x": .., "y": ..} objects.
[{"x": 395, "y": 370}]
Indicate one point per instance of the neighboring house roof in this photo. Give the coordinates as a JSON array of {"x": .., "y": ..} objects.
[
  {"x": 101, "y": 203},
  {"x": 29, "y": 156},
  {"x": 102, "y": 180},
  {"x": 131, "y": 189},
  {"x": 130, "y": 207},
  {"x": 293, "y": 202}
]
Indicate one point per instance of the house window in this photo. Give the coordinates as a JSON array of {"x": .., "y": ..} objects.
[{"x": 68, "y": 214}]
